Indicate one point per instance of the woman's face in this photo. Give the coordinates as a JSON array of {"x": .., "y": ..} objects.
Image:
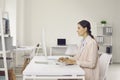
[{"x": 81, "y": 31}]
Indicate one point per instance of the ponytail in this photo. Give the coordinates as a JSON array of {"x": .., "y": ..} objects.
[{"x": 89, "y": 32}]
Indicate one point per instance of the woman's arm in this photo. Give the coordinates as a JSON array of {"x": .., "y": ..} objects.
[{"x": 92, "y": 56}]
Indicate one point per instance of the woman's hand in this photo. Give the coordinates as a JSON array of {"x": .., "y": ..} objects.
[
  {"x": 62, "y": 59},
  {"x": 67, "y": 60},
  {"x": 70, "y": 61}
]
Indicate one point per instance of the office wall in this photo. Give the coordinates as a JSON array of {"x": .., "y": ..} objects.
[
  {"x": 116, "y": 34},
  {"x": 20, "y": 22},
  {"x": 60, "y": 17},
  {"x": 10, "y": 7},
  {"x": 2, "y": 2}
]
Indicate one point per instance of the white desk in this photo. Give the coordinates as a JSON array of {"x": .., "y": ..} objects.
[{"x": 46, "y": 68}]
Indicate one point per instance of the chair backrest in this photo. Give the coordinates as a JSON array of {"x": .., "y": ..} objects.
[
  {"x": 37, "y": 50},
  {"x": 104, "y": 64},
  {"x": 33, "y": 53}
]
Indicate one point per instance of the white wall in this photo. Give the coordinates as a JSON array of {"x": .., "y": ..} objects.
[
  {"x": 116, "y": 34},
  {"x": 20, "y": 22},
  {"x": 10, "y": 7},
  {"x": 2, "y": 2},
  {"x": 60, "y": 17}
]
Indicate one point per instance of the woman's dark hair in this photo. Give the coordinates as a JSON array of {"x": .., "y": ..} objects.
[{"x": 86, "y": 24}]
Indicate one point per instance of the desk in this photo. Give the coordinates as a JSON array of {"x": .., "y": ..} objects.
[{"x": 49, "y": 70}]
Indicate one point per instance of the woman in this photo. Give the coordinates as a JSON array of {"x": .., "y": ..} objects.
[{"x": 87, "y": 56}]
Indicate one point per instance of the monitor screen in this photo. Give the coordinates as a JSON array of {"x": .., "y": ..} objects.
[{"x": 61, "y": 42}]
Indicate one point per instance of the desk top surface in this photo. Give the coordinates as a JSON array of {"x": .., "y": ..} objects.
[{"x": 40, "y": 65}]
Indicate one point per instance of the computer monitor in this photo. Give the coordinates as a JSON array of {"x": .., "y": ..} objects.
[
  {"x": 44, "y": 42},
  {"x": 61, "y": 42}
]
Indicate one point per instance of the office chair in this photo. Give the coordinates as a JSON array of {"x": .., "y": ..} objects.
[
  {"x": 28, "y": 57},
  {"x": 37, "y": 51},
  {"x": 104, "y": 64}
]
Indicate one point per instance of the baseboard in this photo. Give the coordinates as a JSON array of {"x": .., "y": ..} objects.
[{"x": 115, "y": 62}]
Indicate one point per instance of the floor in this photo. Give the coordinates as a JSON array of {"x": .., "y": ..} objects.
[{"x": 112, "y": 74}]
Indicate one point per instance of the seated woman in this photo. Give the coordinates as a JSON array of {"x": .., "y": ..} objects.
[{"x": 87, "y": 56}]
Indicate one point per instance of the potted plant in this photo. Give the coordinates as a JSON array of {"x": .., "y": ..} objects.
[{"x": 103, "y": 22}]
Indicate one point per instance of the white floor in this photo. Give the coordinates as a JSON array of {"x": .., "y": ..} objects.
[{"x": 112, "y": 74}]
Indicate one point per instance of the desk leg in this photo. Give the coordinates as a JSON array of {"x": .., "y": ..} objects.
[
  {"x": 27, "y": 60},
  {"x": 50, "y": 51},
  {"x": 23, "y": 78},
  {"x": 83, "y": 77}
]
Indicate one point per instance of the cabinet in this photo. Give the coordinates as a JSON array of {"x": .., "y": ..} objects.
[
  {"x": 69, "y": 50},
  {"x": 104, "y": 38},
  {"x": 57, "y": 50},
  {"x": 21, "y": 53}
]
